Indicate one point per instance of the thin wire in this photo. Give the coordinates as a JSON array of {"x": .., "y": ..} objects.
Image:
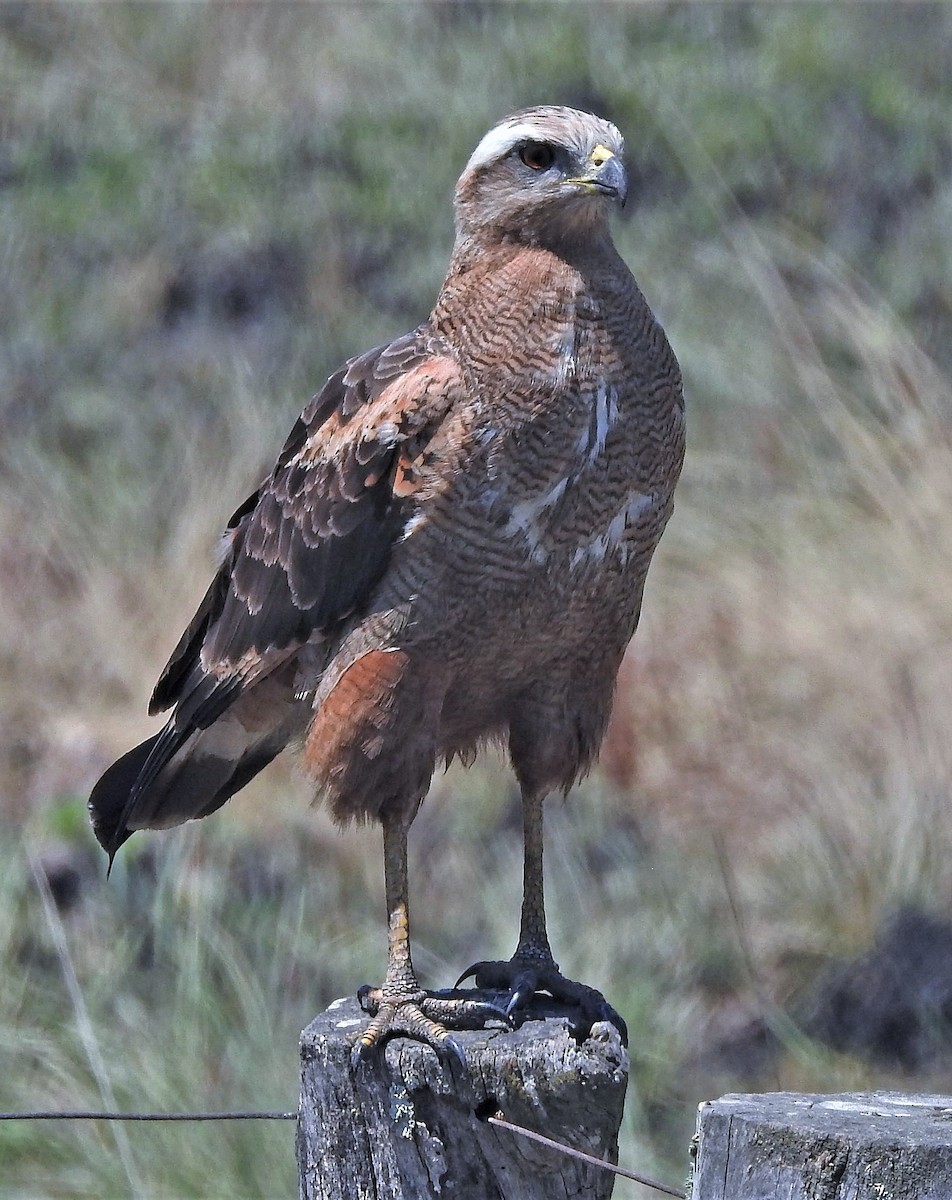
[
  {"x": 595, "y": 1162},
  {"x": 86, "y": 1115},
  {"x": 84, "y": 1025}
]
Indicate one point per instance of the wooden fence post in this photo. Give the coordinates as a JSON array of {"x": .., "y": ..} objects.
[
  {"x": 407, "y": 1126},
  {"x": 860, "y": 1146}
]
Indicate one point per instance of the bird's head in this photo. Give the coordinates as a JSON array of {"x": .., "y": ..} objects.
[{"x": 540, "y": 175}]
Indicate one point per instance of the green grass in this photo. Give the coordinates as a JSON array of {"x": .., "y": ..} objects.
[{"x": 777, "y": 778}]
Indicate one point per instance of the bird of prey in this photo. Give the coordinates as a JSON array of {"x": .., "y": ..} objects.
[{"x": 451, "y": 548}]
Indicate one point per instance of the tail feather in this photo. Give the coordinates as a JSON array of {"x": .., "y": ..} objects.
[
  {"x": 109, "y": 798},
  {"x": 175, "y": 777},
  {"x": 192, "y": 767}
]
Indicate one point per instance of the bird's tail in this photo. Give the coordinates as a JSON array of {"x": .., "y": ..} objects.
[{"x": 181, "y": 774}]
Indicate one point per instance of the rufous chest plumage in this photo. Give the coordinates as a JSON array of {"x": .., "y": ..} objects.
[{"x": 572, "y": 441}]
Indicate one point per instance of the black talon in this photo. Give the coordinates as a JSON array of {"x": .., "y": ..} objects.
[
  {"x": 360, "y": 1055},
  {"x": 501, "y": 1011},
  {"x": 455, "y": 1048},
  {"x": 514, "y": 1001},
  {"x": 523, "y": 988},
  {"x": 517, "y": 998},
  {"x": 469, "y": 973},
  {"x": 604, "y": 1012},
  {"x": 618, "y": 1021}
]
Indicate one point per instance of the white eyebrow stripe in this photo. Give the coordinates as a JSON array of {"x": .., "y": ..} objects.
[{"x": 499, "y": 141}]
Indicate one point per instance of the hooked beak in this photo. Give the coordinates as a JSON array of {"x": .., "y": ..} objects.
[
  {"x": 606, "y": 174},
  {"x": 612, "y": 179}
]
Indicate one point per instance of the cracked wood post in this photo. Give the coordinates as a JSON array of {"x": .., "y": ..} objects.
[
  {"x": 407, "y": 1126},
  {"x": 856, "y": 1146}
]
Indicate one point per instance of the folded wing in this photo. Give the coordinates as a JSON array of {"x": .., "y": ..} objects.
[{"x": 300, "y": 556}]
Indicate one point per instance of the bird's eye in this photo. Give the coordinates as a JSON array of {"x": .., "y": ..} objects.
[{"x": 537, "y": 155}]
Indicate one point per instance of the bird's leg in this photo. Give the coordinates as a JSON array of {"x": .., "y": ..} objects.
[
  {"x": 401, "y": 1006},
  {"x": 533, "y": 945},
  {"x": 532, "y": 967}
]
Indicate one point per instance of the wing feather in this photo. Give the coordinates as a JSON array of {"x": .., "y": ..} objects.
[{"x": 305, "y": 550}]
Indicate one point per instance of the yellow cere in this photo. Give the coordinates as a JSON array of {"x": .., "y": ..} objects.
[{"x": 601, "y": 154}]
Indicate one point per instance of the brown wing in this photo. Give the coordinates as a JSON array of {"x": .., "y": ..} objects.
[
  {"x": 306, "y": 549},
  {"x": 301, "y": 554}
]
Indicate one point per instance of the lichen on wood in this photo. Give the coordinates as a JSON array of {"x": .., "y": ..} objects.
[{"x": 407, "y": 1124}]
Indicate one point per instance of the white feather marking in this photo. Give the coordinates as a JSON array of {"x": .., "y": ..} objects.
[
  {"x": 524, "y": 519},
  {"x": 612, "y": 538},
  {"x": 527, "y": 512},
  {"x": 417, "y": 521},
  {"x": 565, "y": 362},
  {"x": 387, "y": 433},
  {"x": 605, "y": 416},
  {"x": 224, "y": 544}
]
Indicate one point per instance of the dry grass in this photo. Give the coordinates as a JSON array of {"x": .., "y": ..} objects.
[{"x": 791, "y": 688}]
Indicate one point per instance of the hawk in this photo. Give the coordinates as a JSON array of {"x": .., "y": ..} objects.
[{"x": 451, "y": 548}]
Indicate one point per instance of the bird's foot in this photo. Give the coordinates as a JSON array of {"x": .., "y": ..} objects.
[
  {"x": 421, "y": 1016},
  {"x": 522, "y": 977}
]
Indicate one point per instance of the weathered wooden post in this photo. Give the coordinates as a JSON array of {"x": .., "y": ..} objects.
[
  {"x": 860, "y": 1146},
  {"x": 406, "y": 1126}
]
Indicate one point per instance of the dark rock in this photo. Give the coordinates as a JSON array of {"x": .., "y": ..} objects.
[
  {"x": 235, "y": 285},
  {"x": 892, "y": 1005}
]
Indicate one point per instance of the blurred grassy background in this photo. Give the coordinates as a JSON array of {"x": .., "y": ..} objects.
[{"x": 203, "y": 210}]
